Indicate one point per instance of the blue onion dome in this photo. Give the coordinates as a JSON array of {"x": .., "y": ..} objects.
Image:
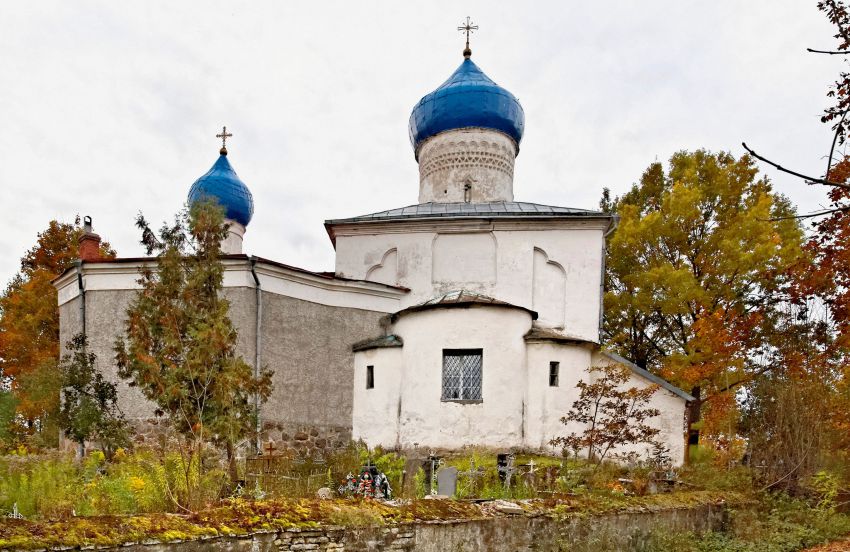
[
  {"x": 223, "y": 184},
  {"x": 468, "y": 99}
]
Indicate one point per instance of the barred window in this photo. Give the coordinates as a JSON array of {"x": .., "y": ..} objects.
[{"x": 462, "y": 374}]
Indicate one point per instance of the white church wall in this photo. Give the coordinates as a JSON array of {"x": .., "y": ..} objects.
[
  {"x": 496, "y": 421},
  {"x": 545, "y": 405},
  {"x": 435, "y": 258},
  {"x": 376, "y": 410},
  {"x": 237, "y": 274},
  {"x": 357, "y": 255},
  {"x": 548, "y": 290},
  {"x": 386, "y": 271},
  {"x": 670, "y": 421},
  {"x": 468, "y": 164},
  {"x": 466, "y": 260},
  {"x": 578, "y": 251}
]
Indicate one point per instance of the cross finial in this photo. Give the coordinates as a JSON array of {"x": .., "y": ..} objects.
[
  {"x": 224, "y": 136},
  {"x": 467, "y": 28}
]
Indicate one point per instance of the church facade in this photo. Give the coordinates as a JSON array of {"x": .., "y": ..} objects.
[{"x": 464, "y": 319}]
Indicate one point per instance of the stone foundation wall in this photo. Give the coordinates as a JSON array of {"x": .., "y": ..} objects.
[
  {"x": 306, "y": 440},
  {"x": 499, "y": 534},
  {"x": 301, "y": 440}
]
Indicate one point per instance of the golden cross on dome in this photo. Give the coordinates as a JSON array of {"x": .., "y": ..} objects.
[
  {"x": 224, "y": 136},
  {"x": 467, "y": 28}
]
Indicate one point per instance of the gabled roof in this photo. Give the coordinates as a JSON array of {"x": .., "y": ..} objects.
[
  {"x": 507, "y": 209},
  {"x": 460, "y": 299},
  {"x": 646, "y": 374}
]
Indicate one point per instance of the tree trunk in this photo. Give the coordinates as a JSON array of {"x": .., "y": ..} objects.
[
  {"x": 231, "y": 465},
  {"x": 693, "y": 416}
]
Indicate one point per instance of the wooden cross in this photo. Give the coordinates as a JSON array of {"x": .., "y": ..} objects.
[
  {"x": 270, "y": 448},
  {"x": 224, "y": 136},
  {"x": 467, "y": 28}
]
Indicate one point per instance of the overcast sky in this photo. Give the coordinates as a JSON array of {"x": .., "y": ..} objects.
[{"x": 111, "y": 108}]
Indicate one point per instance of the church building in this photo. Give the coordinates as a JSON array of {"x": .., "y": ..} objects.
[{"x": 466, "y": 318}]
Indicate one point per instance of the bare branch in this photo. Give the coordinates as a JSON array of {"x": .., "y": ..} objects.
[
  {"x": 812, "y": 215},
  {"x": 830, "y": 52},
  {"x": 808, "y": 179},
  {"x": 838, "y": 127}
]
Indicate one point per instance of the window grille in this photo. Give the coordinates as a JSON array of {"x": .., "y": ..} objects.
[
  {"x": 370, "y": 377},
  {"x": 554, "y": 368},
  {"x": 462, "y": 374}
]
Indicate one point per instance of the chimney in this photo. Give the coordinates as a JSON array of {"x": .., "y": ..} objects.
[{"x": 89, "y": 242}]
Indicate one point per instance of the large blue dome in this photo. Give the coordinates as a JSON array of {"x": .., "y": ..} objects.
[
  {"x": 468, "y": 99},
  {"x": 223, "y": 184}
]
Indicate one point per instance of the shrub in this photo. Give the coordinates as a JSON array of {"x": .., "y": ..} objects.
[
  {"x": 419, "y": 481},
  {"x": 46, "y": 485}
]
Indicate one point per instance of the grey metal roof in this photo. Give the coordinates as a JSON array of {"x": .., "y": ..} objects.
[
  {"x": 649, "y": 375},
  {"x": 485, "y": 210}
]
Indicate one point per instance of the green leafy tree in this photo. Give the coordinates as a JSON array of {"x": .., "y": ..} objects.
[
  {"x": 89, "y": 409},
  {"x": 180, "y": 346},
  {"x": 696, "y": 272},
  {"x": 612, "y": 415}
]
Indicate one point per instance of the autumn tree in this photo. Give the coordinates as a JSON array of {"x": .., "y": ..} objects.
[
  {"x": 695, "y": 271},
  {"x": 786, "y": 422},
  {"x": 29, "y": 323},
  {"x": 612, "y": 415},
  {"x": 180, "y": 345},
  {"x": 821, "y": 280},
  {"x": 89, "y": 408}
]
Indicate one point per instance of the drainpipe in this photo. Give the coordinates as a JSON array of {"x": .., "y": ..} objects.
[
  {"x": 615, "y": 220},
  {"x": 79, "y": 265},
  {"x": 81, "y": 447},
  {"x": 258, "y": 351}
]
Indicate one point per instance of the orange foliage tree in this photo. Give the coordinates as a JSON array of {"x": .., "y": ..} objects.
[
  {"x": 696, "y": 273},
  {"x": 29, "y": 321}
]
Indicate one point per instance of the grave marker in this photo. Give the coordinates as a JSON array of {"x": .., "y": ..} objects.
[{"x": 447, "y": 481}]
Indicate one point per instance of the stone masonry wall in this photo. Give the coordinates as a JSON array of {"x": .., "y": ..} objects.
[
  {"x": 498, "y": 534},
  {"x": 305, "y": 345}
]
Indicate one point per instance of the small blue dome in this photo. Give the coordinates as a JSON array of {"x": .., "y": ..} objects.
[
  {"x": 468, "y": 99},
  {"x": 223, "y": 184}
]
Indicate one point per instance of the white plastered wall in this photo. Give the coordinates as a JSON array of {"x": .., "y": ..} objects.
[
  {"x": 237, "y": 273},
  {"x": 573, "y": 261},
  {"x": 423, "y": 417},
  {"x": 546, "y": 405},
  {"x": 670, "y": 421},
  {"x": 376, "y": 411},
  {"x": 519, "y": 407}
]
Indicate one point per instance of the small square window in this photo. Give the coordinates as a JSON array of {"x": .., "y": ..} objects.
[
  {"x": 554, "y": 368},
  {"x": 370, "y": 377},
  {"x": 462, "y": 374}
]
